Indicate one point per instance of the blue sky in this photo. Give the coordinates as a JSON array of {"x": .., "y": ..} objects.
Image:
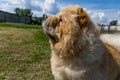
[{"x": 100, "y": 11}]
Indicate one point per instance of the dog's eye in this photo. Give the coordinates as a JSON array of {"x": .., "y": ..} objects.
[
  {"x": 83, "y": 17},
  {"x": 60, "y": 18}
]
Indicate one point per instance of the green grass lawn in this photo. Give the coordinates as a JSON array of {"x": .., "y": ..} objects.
[
  {"x": 16, "y": 25},
  {"x": 24, "y": 53}
]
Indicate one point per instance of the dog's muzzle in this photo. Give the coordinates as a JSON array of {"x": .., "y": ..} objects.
[{"x": 48, "y": 29}]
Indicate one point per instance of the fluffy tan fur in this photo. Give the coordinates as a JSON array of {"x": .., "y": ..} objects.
[{"x": 77, "y": 51}]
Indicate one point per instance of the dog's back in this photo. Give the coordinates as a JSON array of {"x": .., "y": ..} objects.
[{"x": 112, "y": 43}]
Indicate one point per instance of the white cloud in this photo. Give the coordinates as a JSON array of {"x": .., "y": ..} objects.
[
  {"x": 50, "y": 7},
  {"x": 118, "y": 22},
  {"x": 118, "y": 17},
  {"x": 33, "y": 4},
  {"x": 37, "y": 13},
  {"x": 15, "y": 2},
  {"x": 99, "y": 15},
  {"x": 38, "y": 6},
  {"x": 4, "y": 7},
  {"x": 30, "y": 4},
  {"x": 8, "y": 5},
  {"x": 118, "y": 13},
  {"x": 36, "y": 3}
]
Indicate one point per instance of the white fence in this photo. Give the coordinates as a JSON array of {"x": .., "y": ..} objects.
[
  {"x": 109, "y": 29},
  {"x": 112, "y": 27}
]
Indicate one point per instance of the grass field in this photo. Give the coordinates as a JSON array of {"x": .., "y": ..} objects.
[{"x": 24, "y": 53}]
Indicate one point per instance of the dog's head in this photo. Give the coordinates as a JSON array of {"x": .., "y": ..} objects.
[{"x": 67, "y": 28}]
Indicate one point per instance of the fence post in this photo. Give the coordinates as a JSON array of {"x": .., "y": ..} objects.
[
  {"x": 101, "y": 28},
  {"x": 108, "y": 31},
  {"x": 4, "y": 17}
]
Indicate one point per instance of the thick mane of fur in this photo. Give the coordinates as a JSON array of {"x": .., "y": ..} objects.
[
  {"x": 78, "y": 53},
  {"x": 76, "y": 37}
]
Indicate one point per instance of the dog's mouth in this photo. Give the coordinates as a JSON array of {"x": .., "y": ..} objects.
[{"x": 53, "y": 37}]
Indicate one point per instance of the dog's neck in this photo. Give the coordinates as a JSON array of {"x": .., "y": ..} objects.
[{"x": 79, "y": 48}]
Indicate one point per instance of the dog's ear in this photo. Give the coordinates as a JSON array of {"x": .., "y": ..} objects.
[{"x": 82, "y": 17}]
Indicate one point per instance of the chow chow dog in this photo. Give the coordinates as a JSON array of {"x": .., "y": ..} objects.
[{"x": 77, "y": 51}]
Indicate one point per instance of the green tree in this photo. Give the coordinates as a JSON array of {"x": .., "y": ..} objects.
[
  {"x": 23, "y": 12},
  {"x": 113, "y": 23},
  {"x": 17, "y": 11},
  {"x": 37, "y": 20}
]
